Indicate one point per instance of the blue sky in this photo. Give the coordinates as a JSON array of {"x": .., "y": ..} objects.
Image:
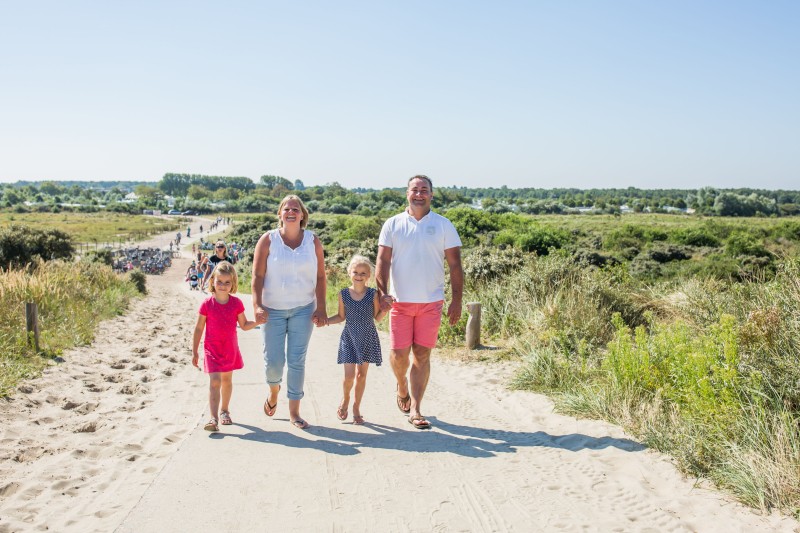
[{"x": 584, "y": 94}]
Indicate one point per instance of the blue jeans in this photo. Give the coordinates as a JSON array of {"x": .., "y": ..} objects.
[{"x": 286, "y": 335}]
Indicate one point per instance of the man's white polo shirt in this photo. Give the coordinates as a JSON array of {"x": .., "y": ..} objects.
[{"x": 417, "y": 271}]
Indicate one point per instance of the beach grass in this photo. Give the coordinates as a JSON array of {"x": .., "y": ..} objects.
[
  {"x": 705, "y": 370},
  {"x": 61, "y": 291}
]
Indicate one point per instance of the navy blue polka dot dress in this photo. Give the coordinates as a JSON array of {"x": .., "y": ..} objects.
[{"x": 359, "y": 342}]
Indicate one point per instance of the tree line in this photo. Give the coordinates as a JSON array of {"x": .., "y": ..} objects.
[{"x": 207, "y": 194}]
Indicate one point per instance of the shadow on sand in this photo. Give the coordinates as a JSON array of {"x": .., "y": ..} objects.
[{"x": 462, "y": 440}]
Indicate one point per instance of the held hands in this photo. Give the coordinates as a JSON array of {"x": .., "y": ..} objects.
[
  {"x": 319, "y": 318},
  {"x": 261, "y": 315},
  {"x": 386, "y": 302}
]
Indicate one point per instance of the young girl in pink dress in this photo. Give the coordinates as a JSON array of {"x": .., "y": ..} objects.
[{"x": 219, "y": 315}]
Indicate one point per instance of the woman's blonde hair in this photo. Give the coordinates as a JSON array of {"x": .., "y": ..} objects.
[
  {"x": 297, "y": 199},
  {"x": 224, "y": 267},
  {"x": 358, "y": 260}
]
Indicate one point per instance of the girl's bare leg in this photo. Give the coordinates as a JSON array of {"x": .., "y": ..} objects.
[
  {"x": 347, "y": 385},
  {"x": 361, "y": 384},
  {"x": 226, "y": 389},
  {"x": 214, "y": 385}
]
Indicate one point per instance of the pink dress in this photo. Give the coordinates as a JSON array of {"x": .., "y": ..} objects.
[{"x": 221, "y": 342}]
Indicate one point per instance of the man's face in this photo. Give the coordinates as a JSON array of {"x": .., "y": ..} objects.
[{"x": 419, "y": 194}]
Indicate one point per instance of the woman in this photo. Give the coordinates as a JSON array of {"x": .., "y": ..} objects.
[
  {"x": 289, "y": 294},
  {"x": 220, "y": 255}
]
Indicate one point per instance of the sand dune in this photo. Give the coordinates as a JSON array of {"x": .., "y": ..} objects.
[{"x": 112, "y": 439}]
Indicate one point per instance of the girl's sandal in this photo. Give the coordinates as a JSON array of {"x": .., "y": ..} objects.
[
  {"x": 211, "y": 425},
  {"x": 225, "y": 418}
]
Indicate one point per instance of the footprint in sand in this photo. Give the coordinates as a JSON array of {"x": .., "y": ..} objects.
[
  {"x": 88, "y": 427},
  {"x": 138, "y": 367},
  {"x": 9, "y": 489},
  {"x": 133, "y": 388},
  {"x": 87, "y": 408},
  {"x": 93, "y": 387}
]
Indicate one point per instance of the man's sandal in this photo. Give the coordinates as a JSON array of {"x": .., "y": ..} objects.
[
  {"x": 404, "y": 404},
  {"x": 419, "y": 422}
]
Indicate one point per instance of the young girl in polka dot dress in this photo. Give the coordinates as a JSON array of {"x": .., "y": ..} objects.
[{"x": 359, "y": 346}]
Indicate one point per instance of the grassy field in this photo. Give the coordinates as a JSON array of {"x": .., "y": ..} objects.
[{"x": 101, "y": 227}]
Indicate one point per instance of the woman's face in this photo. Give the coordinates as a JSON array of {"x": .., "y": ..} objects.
[
  {"x": 220, "y": 249},
  {"x": 291, "y": 212}
]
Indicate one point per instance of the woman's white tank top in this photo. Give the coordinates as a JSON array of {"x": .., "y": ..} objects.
[{"x": 291, "y": 278}]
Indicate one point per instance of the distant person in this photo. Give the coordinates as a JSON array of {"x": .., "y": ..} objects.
[
  {"x": 288, "y": 292},
  {"x": 191, "y": 277},
  {"x": 412, "y": 250},
  {"x": 219, "y": 315},
  {"x": 359, "y": 308},
  {"x": 220, "y": 254},
  {"x": 201, "y": 269},
  {"x": 188, "y": 231}
]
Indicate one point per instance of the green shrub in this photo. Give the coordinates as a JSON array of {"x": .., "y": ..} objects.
[
  {"x": 633, "y": 235},
  {"x": 695, "y": 237},
  {"x": 139, "y": 280},
  {"x": 472, "y": 223},
  {"x": 20, "y": 245},
  {"x": 744, "y": 243}
]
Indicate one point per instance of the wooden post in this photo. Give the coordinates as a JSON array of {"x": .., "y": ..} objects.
[
  {"x": 32, "y": 323},
  {"x": 473, "y": 325}
]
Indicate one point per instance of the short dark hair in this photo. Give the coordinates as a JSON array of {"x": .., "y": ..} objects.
[{"x": 421, "y": 177}]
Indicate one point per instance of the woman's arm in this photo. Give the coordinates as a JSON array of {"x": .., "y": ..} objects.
[
  {"x": 260, "y": 255},
  {"x": 338, "y": 318},
  {"x": 198, "y": 334},
  {"x": 320, "y": 316}
]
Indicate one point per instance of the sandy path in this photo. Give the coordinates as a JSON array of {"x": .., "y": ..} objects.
[
  {"x": 81, "y": 444},
  {"x": 95, "y": 457}
]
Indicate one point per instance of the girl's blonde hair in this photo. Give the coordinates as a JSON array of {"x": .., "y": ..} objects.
[
  {"x": 224, "y": 267},
  {"x": 358, "y": 260},
  {"x": 303, "y": 209}
]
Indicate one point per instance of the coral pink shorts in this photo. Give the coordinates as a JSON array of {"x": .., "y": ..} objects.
[{"x": 411, "y": 323}]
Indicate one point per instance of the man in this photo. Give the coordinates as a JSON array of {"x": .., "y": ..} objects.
[{"x": 412, "y": 249}]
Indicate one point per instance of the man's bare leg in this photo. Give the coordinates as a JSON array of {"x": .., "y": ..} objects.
[
  {"x": 399, "y": 359},
  {"x": 418, "y": 378}
]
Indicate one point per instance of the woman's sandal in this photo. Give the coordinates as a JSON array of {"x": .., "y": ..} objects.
[
  {"x": 211, "y": 425},
  {"x": 300, "y": 424},
  {"x": 358, "y": 420},
  {"x": 270, "y": 409},
  {"x": 225, "y": 418},
  {"x": 341, "y": 414}
]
